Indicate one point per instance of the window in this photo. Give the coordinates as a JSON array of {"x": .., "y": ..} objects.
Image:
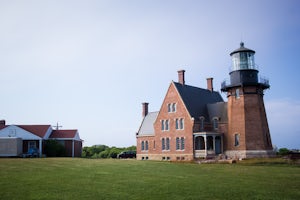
[
  {"x": 177, "y": 144},
  {"x": 31, "y": 144},
  {"x": 236, "y": 140},
  {"x": 180, "y": 143},
  {"x": 237, "y": 93},
  {"x": 146, "y": 145},
  {"x": 163, "y": 145},
  {"x": 167, "y": 144},
  {"x": 201, "y": 123},
  {"x": 165, "y": 125},
  {"x": 179, "y": 123},
  {"x": 143, "y": 145},
  {"x": 215, "y": 123},
  {"x": 153, "y": 144},
  {"x": 172, "y": 107},
  {"x": 169, "y": 108}
]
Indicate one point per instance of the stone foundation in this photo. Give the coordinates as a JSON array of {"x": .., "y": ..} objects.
[
  {"x": 165, "y": 157},
  {"x": 250, "y": 154}
]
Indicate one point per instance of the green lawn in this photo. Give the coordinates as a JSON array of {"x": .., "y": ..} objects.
[{"x": 67, "y": 178}]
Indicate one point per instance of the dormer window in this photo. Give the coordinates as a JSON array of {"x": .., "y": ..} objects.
[
  {"x": 215, "y": 123},
  {"x": 202, "y": 123}
]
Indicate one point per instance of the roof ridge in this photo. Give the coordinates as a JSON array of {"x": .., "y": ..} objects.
[{"x": 194, "y": 87}]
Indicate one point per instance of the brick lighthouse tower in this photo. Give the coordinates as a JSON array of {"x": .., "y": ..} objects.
[{"x": 248, "y": 131}]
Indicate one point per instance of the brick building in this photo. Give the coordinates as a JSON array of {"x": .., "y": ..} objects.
[
  {"x": 196, "y": 123},
  {"x": 35, "y": 136}
]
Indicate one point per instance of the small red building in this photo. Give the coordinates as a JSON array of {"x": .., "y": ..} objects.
[
  {"x": 34, "y": 136},
  {"x": 195, "y": 122}
]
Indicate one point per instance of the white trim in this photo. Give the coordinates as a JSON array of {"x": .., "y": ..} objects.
[{"x": 19, "y": 132}]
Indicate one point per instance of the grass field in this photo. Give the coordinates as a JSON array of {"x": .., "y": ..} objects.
[{"x": 67, "y": 178}]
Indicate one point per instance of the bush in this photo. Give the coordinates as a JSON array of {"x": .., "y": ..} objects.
[
  {"x": 103, "y": 151},
  {"x": 283, "y": 151},
  {"x": 54, "y": 149}
]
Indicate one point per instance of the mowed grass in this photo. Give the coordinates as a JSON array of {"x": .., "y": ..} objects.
[{"x": 67, "y": 178}]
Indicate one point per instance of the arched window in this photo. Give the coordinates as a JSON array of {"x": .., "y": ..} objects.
[{"x": 162, "y": 125}]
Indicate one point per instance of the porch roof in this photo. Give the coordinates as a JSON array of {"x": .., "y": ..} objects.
[{"x": 207, "y": 134}]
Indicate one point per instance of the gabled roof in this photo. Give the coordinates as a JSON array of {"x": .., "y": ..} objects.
[
  {"x": 39, "y": 130},
  {"x": 63, "y": 134},
  {"x": 196, "y": 99},
  {"x": 147, "y": 127}
]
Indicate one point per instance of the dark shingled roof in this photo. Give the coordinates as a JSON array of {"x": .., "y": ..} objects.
[
  {"x": 196, "y": 99},
  {"x": 219, "y": 110},
  {"x": 242, "y": 49}
]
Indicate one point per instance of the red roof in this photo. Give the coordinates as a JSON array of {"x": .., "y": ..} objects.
[
  {"x": 39, "y": 130},
  {"x": 63, "y": 133}
]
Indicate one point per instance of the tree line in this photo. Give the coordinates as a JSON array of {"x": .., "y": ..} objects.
[{"x": 103, "y": 151}]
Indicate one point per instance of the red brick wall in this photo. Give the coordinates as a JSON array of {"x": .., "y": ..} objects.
[
  {"x": 247, "y": 117},
  {"x": 172, "y": 96}
]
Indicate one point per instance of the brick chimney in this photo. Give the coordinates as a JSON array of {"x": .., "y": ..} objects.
[
  {"x": 145, "y": 109},
  {"x": 210, "y": 84},
  {"x": 2, "y": 122},
  {"x": 181, "y": 77}
]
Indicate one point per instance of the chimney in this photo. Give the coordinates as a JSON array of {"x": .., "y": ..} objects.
[
  {"x": 210, "y": 84},
  {"x": 145, "y": 109},
  {"x": 2, "y": 122},
  {"x": 181, "y": 77}
]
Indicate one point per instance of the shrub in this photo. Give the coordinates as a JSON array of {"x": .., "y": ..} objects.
[
  {"x": 54, "y": 149},
  {"x": 283, "y": 151}
]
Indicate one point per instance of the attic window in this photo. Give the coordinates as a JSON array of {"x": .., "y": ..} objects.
[{"x": 171, "y": 107}]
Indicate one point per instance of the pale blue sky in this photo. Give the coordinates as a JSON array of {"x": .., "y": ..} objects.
[{"x": 90, "y": 64}]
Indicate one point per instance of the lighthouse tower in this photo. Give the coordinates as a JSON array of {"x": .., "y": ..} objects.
[{"x": 248, "y": 132}]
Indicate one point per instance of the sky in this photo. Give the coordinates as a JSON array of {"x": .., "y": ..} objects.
[{"x": 88, "y": 65}]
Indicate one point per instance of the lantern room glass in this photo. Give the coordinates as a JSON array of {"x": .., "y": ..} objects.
[{"x": 243, "y": 60}]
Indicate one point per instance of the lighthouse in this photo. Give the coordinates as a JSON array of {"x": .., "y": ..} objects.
[{"x": 248, "y": 132}]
